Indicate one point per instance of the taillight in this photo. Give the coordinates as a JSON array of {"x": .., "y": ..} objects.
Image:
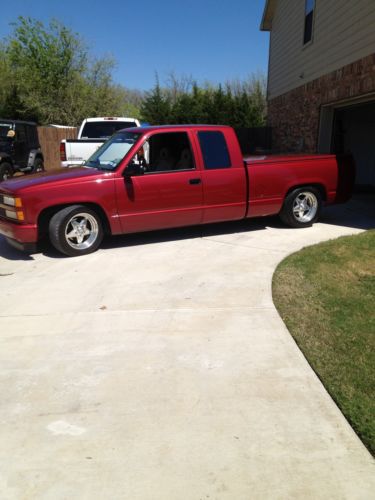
[{"x": 62, "y": 151}]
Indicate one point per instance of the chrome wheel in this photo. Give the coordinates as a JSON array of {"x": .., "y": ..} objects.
[
  {"x": 305, "y": 207},
  {"x": 81, "y": 231}
]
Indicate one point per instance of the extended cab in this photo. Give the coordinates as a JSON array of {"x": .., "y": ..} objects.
[
  {"x": 92, "y": 133},
  {"x": 162, "y": 177}
]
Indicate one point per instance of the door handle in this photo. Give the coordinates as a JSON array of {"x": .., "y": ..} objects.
[{"x": 194, "y": 181}]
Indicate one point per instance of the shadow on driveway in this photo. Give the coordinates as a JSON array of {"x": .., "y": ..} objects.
[{"x": 359, "y": 213}]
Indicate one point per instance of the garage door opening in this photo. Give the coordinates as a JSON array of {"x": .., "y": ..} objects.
[{"x": 351, "y": 129}]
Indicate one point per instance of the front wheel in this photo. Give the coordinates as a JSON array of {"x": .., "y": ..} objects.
[
  {"x": 6, "y": 171},
  {"x": 301, "y": 207},
  {"x": 76, "y": 230}
]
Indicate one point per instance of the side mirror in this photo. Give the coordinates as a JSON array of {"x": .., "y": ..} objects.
[{"x": 133, "y": 169}]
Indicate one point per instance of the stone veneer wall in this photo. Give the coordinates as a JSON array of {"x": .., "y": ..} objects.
[{"x": 294, "y": 116}]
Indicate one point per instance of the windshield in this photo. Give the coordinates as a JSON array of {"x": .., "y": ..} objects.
[
  {"x": 110, "y": 154},
  {"x": 4, "y": 129},
  {"x": 100, "y": 130}
]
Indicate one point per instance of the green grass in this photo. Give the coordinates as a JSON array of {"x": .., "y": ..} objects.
[{"x": 326, "y": 297}]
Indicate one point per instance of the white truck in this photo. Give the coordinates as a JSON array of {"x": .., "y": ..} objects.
[{"x": 91, "y": 135}]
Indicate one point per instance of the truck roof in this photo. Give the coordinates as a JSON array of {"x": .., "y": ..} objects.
[
  {"x": 109, "y": 118},
  {"x": 20, "y": 122},
  {"x": 150, "y": 128}
]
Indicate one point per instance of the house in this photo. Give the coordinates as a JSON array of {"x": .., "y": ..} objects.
[{"x": 321, "y": 78}]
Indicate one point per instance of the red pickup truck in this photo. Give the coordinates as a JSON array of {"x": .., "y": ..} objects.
[{"x": 150, "y": 178}]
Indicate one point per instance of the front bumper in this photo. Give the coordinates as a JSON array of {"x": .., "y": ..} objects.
[{"x": 21, "y": 236}]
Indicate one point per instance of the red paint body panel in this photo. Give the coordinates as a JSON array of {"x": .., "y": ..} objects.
[
  {"x": 24, "y": 233},
  {"x": 270, "y": 179},
  {"x": 157, "y": 201},
  {"x": 250, "y": 188},
  {"x": 224, "y": 190}
]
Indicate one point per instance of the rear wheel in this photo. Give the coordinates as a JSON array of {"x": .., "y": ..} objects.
[
  {"x": 301, "y": 207},
  {"x": 76, "y": 230},
  {"x": 38, "y": 166},
  {"x": 6, "y": 171}
]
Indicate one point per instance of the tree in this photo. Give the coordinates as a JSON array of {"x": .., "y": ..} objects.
[
  {"x": 45, "y": 63},
  {"x": 156, "y": 107},
  {"x": 238, "y": 103},
  {"x": 47, "y": 75}
]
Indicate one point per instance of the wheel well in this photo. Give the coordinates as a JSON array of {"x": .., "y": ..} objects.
[
  {"x": 46, "y": 215},
  {"x": 319, "y": 187},
  {"x": 6, "y": 159}
]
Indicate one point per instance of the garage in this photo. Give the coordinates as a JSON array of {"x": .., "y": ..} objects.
[
  {"x": 350, "y": 128},
  {"x": 354, "y": 131}
]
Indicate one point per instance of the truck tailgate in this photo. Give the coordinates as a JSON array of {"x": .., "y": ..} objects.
[{"x": 79, "y": 150}]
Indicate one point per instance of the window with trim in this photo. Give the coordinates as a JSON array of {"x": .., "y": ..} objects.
[
  {"x": 309, "y": 21},
  {"x": 214, "y": 150},
  {"x": 166, "y": 152}
]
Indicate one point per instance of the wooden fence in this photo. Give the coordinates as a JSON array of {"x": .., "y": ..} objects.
[{"x": 49, "y": 139}]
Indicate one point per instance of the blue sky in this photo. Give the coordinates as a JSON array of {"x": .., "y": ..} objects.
[{"x": 209, "y": 39}]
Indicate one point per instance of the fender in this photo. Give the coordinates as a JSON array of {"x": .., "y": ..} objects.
[{"x": 33, "y": 155}]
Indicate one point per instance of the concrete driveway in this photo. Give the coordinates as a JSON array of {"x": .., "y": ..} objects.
[{"x": 158, "y": 368}]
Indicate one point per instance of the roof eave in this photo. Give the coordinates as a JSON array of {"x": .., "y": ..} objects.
[{"x": 268, "y": 13}]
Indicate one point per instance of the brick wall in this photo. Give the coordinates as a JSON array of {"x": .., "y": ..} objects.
[{"x": 294, "y": 116}]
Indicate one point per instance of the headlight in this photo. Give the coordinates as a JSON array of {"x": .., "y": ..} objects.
[{"x": 12, "y": 201}]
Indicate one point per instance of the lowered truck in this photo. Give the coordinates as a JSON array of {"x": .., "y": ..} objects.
[
  {"x": 92, "y": 133},
  {"x": 150, "y": 178}
]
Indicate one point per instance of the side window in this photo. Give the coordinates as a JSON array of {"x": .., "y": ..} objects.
[
  {"x": 309, "y": 21},
  {"x": 214, "y": 149},
  {"x": 31, "y": 135},
  {"x": 166, "y": 152},
  {"x": 21, "y": 133}
]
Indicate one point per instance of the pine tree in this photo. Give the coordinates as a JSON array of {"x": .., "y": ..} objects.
[{"x": 156, "y": 107}]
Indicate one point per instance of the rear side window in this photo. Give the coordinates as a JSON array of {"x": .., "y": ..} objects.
[
  {"x": 32, "y": 137},
  {"x": 21, "y": 133},
  {"x": 214, "y": 149}
]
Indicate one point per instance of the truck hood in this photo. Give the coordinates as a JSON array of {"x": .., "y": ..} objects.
[{"x": 58, "y": 176}]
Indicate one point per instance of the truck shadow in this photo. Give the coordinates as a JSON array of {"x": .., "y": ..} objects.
[
  {"x": 10, "y": 253},
  {"x": 359, "y": 213},
  {"x": 190, "y": 232}
]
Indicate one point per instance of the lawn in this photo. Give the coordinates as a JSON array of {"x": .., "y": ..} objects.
[{"x": 326, "y": 297}]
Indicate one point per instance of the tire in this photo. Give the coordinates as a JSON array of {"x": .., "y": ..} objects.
[
  {"x": 76, "y": 230},
  {"x": 301, "y": 207},
  {"x": 38, "y": 165},
  {"x": 6, "y": 171}
]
